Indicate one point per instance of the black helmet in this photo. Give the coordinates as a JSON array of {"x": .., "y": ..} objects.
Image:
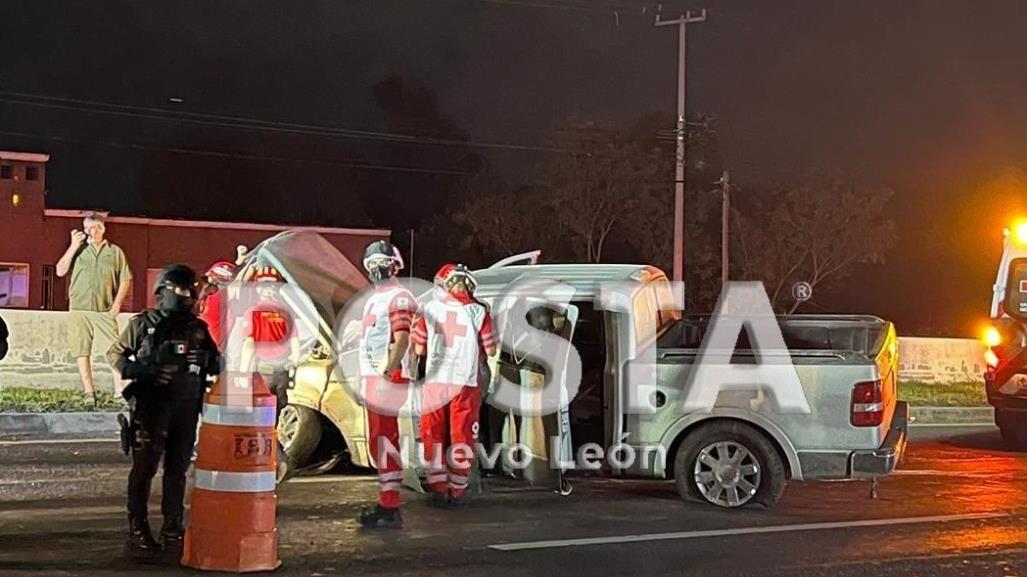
[
  {"x": 176, "y": 275},
  {"x": 382, "y": 260}
]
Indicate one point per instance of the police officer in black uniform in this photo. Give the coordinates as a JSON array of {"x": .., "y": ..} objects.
[{"x": 167, "y": 353}]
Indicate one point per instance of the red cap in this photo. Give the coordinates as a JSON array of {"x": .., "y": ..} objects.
[{"x": 222, "y": 271}]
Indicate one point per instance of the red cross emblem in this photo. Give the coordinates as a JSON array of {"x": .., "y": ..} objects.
[{"x": 450, "y": 329}]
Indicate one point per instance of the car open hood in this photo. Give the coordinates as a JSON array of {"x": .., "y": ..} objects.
[{"x": 319, "y": 279}]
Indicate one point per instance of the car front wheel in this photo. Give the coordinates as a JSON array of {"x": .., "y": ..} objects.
[{"x": 299, "y": 432}]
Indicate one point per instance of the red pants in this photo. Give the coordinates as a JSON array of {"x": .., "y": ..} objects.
[
  {"x": 454, "y": 424},
  {"x": 383, "y": 400}
]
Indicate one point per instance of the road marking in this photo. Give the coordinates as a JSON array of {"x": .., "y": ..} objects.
[
  {"x": 57, "y": 441},
  {"x": 740, "y": 531}
]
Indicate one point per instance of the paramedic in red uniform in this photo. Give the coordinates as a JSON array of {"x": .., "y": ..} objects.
[
  {"x": 211, "y": 303},
  {"x": 270, "y": 344},
  {"x": 455, "y": 332},
  {"x": 385, "y": 375}
]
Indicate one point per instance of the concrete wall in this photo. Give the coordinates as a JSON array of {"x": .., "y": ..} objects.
[
  {"x": 940, "y": 360},
  {"x": 39, "y": 357}
]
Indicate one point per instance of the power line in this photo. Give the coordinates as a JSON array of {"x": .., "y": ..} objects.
[
  {"x": 244, "y": 123},
  {"x": 542, "y": 5},
  {"x": 414, "y": 121},
  {"x": 220, "y": 154},
  {"x": 270, "y": 126},
  {"x": 239, "y": 122},
  {"x": 576, "y": 5},
  {"x": 345, "y": 164}
]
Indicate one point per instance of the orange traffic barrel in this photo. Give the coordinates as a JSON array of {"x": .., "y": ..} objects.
[{"x": 232, "y": 517}]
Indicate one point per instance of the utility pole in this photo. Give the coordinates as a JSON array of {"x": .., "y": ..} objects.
[
  {"x": 679, "y": 170},
  {"x": 725, "y": 218}
]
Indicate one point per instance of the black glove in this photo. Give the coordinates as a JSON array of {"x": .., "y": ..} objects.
[
  {"x": 135, "y": 370},
  {"x": 160, "y": 375}
]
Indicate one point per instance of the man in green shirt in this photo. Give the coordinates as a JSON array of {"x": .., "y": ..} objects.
[{"x": 100, "y": 281}]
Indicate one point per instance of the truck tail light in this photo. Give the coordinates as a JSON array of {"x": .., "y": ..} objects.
[{"x": 867, "y": 404}]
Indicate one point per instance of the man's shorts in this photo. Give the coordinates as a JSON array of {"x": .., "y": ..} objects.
[{"x": 86, "y": 328}]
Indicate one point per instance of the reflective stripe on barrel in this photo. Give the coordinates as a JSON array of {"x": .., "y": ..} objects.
[
  {"x": 258, "y": 482},
  {"x": 238, "y": 416}
]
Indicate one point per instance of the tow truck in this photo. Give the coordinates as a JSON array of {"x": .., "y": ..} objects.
[{"x": 1005, "y": 378}]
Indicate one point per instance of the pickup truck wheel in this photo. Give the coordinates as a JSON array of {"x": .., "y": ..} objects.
[
  {"x": 299, "y": 432},
  {"x": 1013, "y": 434},
  {"x": 729, "y": 464}
]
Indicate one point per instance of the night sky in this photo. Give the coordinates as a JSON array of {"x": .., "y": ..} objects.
[{"x": 928, "y": 98}]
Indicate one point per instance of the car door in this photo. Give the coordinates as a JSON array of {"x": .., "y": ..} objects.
[{"x": 548, "y": 436}]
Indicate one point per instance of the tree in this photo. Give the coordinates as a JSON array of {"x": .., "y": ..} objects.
[
  {"x": 608, "y": 195},
  {"x": 813, "y": 232},
  {"x": 499, "y": 222},
  {"x": 576, "y": 202},
  {"x": 601, "y": 177}
]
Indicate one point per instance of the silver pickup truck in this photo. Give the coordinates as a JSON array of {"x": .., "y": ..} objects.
[{"x": 741, "y": 452}]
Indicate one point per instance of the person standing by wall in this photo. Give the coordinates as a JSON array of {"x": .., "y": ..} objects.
[{"x": 100, "y": 281}]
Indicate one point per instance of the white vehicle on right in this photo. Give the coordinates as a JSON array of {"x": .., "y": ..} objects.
[{"x": 1005, "y": 378}]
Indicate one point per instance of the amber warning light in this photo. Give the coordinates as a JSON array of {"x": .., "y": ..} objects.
[
  {"x": 1018, "y": 232},
  {"x": 992, "y": 338}
]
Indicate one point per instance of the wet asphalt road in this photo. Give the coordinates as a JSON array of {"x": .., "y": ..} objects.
[{"x": 955, "y": 508}]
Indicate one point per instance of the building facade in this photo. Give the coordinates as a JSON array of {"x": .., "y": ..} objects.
[{"x": 34, "y": 238}]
